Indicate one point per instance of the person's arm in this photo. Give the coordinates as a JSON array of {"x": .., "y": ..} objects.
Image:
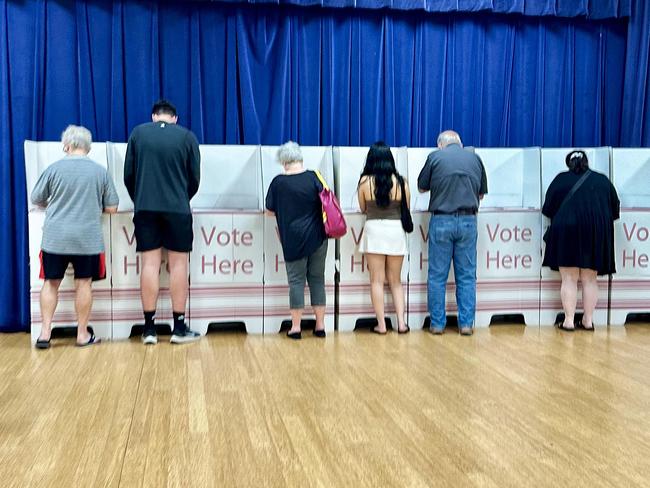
[
  {"x": 110, "y": 199},
  {"x": 424, "y": 178},
  {"x": 41, "y": 192},
  {"x": 550, "y": 201},
  {"x": 484, "y": 184},
  {"x": 614, "y": 202},
  {"x": 193, "y": 166},
  {"x": 361, "y": 194},
  {"x": 129, "y": 167},
  {"x": 270, "y": 200},
  {"x": 407, "y": 191}
]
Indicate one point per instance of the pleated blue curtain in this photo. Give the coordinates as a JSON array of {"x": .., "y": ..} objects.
[{"x": 264, "y": 74}]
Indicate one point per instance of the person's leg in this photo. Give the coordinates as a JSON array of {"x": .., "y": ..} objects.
[
  {"x": 588, "y": 278},
  {"x": 569, "y": 294},
  {"x": 440, "y": 254},
  {"x": 150, "y": 279},
  {"x": 296, "y": 277},
  {"x": 83, "y": 304},
  {"x": 316, "y": 281},
  {"x": 49, "y": 299},
  {"x": 178, "y": 287},
  {"x": 377, "y": 269},
  {"x": 465, "y": 272},
  {"x": 394, "y": 276}
]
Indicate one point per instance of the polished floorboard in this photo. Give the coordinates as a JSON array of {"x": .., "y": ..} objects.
[{"x": 508, "y": 407}]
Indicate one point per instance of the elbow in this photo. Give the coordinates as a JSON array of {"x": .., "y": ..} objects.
[{"x": 110, "y": 210}]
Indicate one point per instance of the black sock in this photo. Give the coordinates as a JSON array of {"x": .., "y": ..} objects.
[
  {"x": 179, "y": 321},
  {"x": 149, "y": 323}
]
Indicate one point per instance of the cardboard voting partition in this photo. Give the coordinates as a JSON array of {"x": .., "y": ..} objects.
[
  {"x": 354, "y": 282},
  {"x": 126, "y": 262},
  {"x": 630, "y": 286},
  {"x": 38, "y": 156},
  {"x": 553, "y": 162},
  {"x": 509, "y": 235},
  {"x": 227, "y": 260},
  {"x": 276, "y": 290},
  {"x": 508, "y": 260}
]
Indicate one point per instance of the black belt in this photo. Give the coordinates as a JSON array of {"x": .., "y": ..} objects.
[{"x": 460, "y": 211}]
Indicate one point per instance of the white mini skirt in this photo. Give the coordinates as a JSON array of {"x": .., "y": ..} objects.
[{"x": 383, "y": 237}]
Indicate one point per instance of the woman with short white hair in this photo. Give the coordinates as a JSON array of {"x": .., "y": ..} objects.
[{"x": 293, "y": 197}]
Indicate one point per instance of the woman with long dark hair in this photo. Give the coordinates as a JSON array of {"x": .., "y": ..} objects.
[
  {"x": 582, "y": 205},
  {"x": 383, "y": 240}
]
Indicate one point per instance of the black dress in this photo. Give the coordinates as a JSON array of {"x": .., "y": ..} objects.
[{"x": 582, "y": 232}]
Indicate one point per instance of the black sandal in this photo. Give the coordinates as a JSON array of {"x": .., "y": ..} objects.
[
  {"x": 405, "y": 330},
  {"x": 294, "y": 335},
  {"x": 579, "y": 325},
  {"x": 562, "y": 327},
  {"x": 320, "y": 332},
  {"x": 42, "y": 343}
]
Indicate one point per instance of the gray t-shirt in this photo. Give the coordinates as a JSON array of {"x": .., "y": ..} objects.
[
  {"x": 75, "y": 191},
  {"x": 456, "y": 178}
]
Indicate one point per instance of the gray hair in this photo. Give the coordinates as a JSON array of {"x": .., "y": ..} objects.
[
  {"x": 76, "y": 136},
  {"x": 449, "y": 137},
  {"x": 289, "y": 152}
]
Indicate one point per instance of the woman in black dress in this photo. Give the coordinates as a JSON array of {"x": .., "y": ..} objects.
[{"x": 580, "y": 240}]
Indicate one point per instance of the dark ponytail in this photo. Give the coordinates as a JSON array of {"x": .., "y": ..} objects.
[
  {"x": 577, "y": 161},
  {"x": 380, "y": 165}
]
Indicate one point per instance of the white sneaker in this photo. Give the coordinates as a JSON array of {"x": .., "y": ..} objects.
[
  {"x": 149, "y": 338},
  {"x": 184, "y": 337}
]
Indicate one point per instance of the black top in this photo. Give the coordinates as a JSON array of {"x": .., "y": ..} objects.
[
  {"x": 455, "y": 177},
  {"x": 162, "y": 167},
  {"x": 582, "y": 231},
  {"x": 298, "y": 211}
]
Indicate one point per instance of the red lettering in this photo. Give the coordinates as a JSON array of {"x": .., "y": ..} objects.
[
  {"x": 356, "y": 238},
  {"x": 424, "y": 233},
  {"x": 207, "y": 239},
  {"x": 130, "y": 239}
]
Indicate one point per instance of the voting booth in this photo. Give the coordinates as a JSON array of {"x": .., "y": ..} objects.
[
  {"x": 630, "y": 286},
  {"x": 509, "y": 223},
  {"x": 354, "y": 280},
  {"x": 418, "y": 261},
  {"x": 509, "y": 234},
  {"x": 553, "y": 162},
  {"x": 226, "y": 263},
  {"x": 38, "y": 156},
  {"x": 126, "y": 263},
  {"x": 276, "y": 289}
]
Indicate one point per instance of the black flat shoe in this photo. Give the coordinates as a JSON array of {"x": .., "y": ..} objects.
[
  {"x": 294, "y": 335},
  {"x": 320, "y": 333},
  {"x": 42, "y": 343},
  {"x": 562, "y": 327},
  {"x": 579, "y": 325},
  {"x": 375, "y": 331},
  {"x": 405, "y": 331}
]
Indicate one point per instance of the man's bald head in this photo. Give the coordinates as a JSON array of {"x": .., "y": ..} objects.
[{"x": 448, "y": 137}]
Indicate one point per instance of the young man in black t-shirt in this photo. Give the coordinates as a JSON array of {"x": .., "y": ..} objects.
[{"x": 162, "y": 173}]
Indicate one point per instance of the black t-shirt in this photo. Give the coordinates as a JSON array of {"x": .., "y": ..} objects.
[
  {"x": 299, "y": 214},
  {"x": 162, "y": 167}
]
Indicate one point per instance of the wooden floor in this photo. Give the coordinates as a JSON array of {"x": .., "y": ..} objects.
[{"x": 507, "y": 407}]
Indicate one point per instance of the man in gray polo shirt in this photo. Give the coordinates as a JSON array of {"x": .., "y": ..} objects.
[
  {"x": 457, "y": 182},
  {"x": 75, "y": 191}
]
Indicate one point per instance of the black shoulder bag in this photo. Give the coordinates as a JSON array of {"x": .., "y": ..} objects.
[
  {"x": 405, "y": 215},
  {"x": 568, "y": 196}
]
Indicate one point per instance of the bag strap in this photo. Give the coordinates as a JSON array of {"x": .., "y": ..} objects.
[
  {"x": 575, "y": 187},
  {"x": 321, "y": 179}
]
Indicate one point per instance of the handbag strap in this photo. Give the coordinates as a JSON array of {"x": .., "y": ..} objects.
[
  {"x": 574, "y": 189},
  {"x": 322, "y": 180}
]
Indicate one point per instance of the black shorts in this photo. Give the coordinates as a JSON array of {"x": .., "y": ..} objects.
[
  {"x": 154, "y": 230},
  {"x": 85, "y": 266}
]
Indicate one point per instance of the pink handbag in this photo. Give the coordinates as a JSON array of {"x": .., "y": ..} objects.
[{"x": 333, "y": 219}]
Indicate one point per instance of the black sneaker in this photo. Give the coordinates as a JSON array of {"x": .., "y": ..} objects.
[
  {"x": 149, "y": 336},
  {"x": 183, "y": 336}
]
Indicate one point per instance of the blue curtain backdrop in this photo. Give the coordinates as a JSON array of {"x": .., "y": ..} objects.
[{"x": 251, "y": 74}]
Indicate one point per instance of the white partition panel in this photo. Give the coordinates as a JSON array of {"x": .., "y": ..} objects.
[
  {"x": 630, "y": 286},
  {"x": 553, "y": 162},
  {"x": 38, "y": 156},
  {"x": 226, "y": 263},
  {"x": 354, "y": 282},
  {"x": 115, "y": 153},
  {"x": 276, "y": 290}
]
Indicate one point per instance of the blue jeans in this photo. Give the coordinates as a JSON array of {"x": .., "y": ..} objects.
[{"x": 452, "y": 237}]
